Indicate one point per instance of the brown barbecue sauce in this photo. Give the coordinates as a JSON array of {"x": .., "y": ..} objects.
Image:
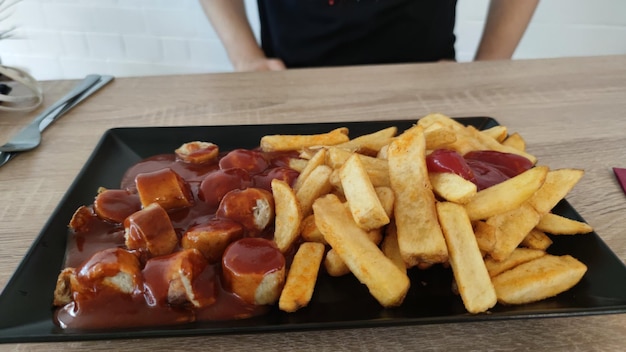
[{"x": 105, "y": 308}]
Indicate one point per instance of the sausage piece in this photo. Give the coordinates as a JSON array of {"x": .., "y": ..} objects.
[
  {"x": 212, "y": 238},
  {"x": 254, "y": 269},
  {"x": 150, "y": 231},
  {"x": 253, "y": 208}
]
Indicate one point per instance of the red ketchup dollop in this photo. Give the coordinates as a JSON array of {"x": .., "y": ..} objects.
[{"x": 484, "y": 168}]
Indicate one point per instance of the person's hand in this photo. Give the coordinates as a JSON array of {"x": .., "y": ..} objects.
[{"x": 260, "y": 64}]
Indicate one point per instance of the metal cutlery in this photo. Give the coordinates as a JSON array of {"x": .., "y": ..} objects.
[
  {"x": 57, "y": 110},
  {"x": 30, "y": 136}
]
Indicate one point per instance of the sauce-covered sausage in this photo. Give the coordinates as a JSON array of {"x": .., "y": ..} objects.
[
  {"x": 115, "y": 205},
  {"x": 252, "y": 207},
  {"x": 216, "y": 184},
  {"x": 254, "y": 269},
  {"x": 250, "y": 160}
]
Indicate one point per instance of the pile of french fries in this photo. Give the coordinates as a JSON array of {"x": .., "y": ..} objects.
[{"x": 368, "y": 206}]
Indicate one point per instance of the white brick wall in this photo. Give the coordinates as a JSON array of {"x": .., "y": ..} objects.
[{"x": 71, "y": 38}]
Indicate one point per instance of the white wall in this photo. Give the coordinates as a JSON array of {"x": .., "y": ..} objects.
[{"x": 71, "y": 38}]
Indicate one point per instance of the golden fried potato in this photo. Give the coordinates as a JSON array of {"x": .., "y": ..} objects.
[
  {"x": 452, "y": 187},
  {"x": 507, "y": 195},
  {"x": 438, "y": 136},
  {"x": 559, "y": 225},
  {"x": 485, "y": 236},
  {"x": 468, "y": 267},
  {"x": 557, "y": 184},
  {"x": 511, "y": 229},
  {"x": 540, "y": 278},
  {"x": 277, "y": 143},
  {"x": 314, "y": 186},
  {"x": 499, "y": 133},
  {"x": 336, "y": 157},
  {"x": 536, "y": 240},
  {"x": 516, "y": 141},
  {"x": 302, "y": 277},
  {"x": 517, "y": 257},
  {"x": 288, "y": 216},
  {"x": 310, "y": 232},
  {"x": 363, "y": 201},
  {"x": 419, "y": 235},
  {"x": 319, "y": 158},
  {"x": 386, "y": 198},
  {"x": 385, "y": 281},
  {"x": 334, "y": 265},
  {"x": 491, "y": 144},
  {"x": 370, "y": 144},
  {"x": 297, "y": 164}
]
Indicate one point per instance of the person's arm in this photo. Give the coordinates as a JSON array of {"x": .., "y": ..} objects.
[
  {"x": 504, "y": 27},
  {"x": 230, "y": 21}
]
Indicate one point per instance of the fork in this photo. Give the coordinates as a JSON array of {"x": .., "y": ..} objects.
[
  {"x": 5, "y": 157},
  {"x": 30, "y": 136}
]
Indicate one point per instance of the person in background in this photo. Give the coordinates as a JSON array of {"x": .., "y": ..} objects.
[{"x": 313, "y": 33}]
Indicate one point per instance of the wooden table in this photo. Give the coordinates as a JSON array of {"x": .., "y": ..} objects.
[{"x": 571, "y": 111}]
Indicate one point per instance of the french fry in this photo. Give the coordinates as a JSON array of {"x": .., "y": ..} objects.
[
  {"x": 363, "y": 201},
  {"x": 559, "y": 225},
  {"x": 438, "y": 136},
  {"x": 511, "y": 229},
  {"x": 382, "y": 153},
  {"x": 536, "y": 240},
  {"x": 334, "y": 265},
  {"x": 469, "y": 138},
  {"x": 313, "y": 187},
  {"x": 387, "y": 284},
  {"x": 516, "y": 141},
  {"x": 310, "y": 232},
  {"x": 378, "y": 178},
  {"x": 419, "y": 235},
  {"x": 336, "y": 157},
  {"x": 540, "y": 278},
  {"x": 492, "y": 144},
  {"x": 557, "y": 184},
  {"x": 463, "y": 143},
  {"x": 297, "y": 164},
  {"x": 319, "y": 158},
  {"x": 440, "y": 120},
  {"x": 468, "y": 267},
  {"x": 507, "y": 195},
  {"x": 517, "y": 257},
  {"x": 499, "y": 133},
  {"x": 386, "y": 198},
  {"x": 452, "y": 187},
  {"x": 390, "y": 247},
  {"x": 308, "y": 152},
  {"x": 485, "y": 236},
  {"x": 302, "y": 277},
  {"x": 370, "y": 144},
  {"x": 288, "y": 215},
  {"x": 277, "y": 143}
]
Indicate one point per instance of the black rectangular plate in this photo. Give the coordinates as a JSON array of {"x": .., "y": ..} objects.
[{"x": 26, "y": 302}]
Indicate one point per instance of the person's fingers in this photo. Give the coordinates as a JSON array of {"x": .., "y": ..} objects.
[
  {"x": 276, "y": 65},
  {"x": 262, "y": 64}
]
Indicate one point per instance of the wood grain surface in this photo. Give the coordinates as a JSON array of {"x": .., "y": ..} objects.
[{"x": 571, "y": 111}]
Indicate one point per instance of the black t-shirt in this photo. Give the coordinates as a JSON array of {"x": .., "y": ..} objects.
[{"x": 309, "y": 33}]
